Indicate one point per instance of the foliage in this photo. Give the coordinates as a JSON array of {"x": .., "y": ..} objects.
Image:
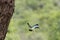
[{"x": 43, "y": 12}]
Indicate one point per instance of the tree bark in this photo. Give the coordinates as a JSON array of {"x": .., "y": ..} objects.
[{"x": 6, "y": 12}]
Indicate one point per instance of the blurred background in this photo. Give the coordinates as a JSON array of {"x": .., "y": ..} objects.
[{"x": 44, "y": 12}]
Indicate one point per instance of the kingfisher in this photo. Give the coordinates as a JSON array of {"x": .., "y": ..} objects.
[{"x": 32, "y": 27}]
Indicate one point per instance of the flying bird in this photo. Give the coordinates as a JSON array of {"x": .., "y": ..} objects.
[{"x": 32, "y": 27}]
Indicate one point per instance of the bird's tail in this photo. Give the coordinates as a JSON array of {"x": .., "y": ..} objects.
[{"x": 28, "y": 24}]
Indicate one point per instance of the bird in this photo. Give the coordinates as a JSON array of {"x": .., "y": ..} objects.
[{"x": 31, "y": 28}]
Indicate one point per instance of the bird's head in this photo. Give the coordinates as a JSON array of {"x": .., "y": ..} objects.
[{"x": 30, "y": 30}]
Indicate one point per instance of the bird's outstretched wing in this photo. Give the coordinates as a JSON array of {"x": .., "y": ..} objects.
[{"x": 29, "y": 25}]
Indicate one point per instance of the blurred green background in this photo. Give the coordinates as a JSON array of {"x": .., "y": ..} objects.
[{"x": 44, "y": 12}]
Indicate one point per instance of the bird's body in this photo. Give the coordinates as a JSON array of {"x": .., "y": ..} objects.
[{"x": 33, "y": 27}]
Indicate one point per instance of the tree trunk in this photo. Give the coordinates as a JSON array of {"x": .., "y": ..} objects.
[{"x": 6, "y": 12}]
